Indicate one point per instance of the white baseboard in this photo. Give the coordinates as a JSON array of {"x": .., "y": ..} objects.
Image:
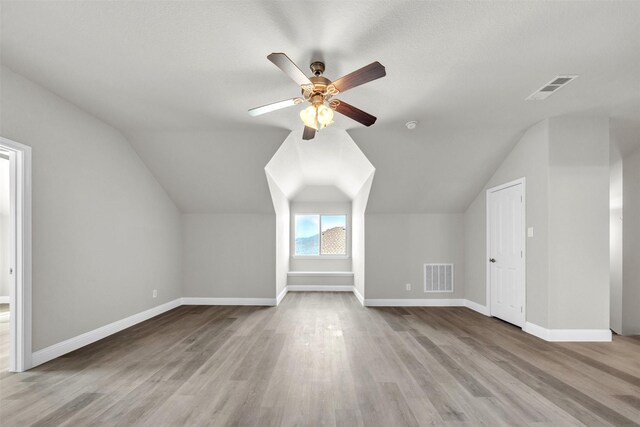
[
  {"x": 228, "y": 301},
  {"x": 4, "y": 300},
  {"x": 282, "y": 294},
  {"x": 41, "y": 356},
  {"x": 535, "y": 330},
  {"x": 320, "y": 288},
  {"x": 482, "y": 309},
  {"x": 433, "y": 302},
  {"x": 568, "y": 335},
  {"x": 358, "y": 295}
]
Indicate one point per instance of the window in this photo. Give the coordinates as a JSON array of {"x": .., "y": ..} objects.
[{"x": 318, "y": 235}]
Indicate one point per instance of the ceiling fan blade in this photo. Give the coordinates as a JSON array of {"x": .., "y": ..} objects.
[
  {"x": 373, "y": 71},
  {"x": 275, "y": 106},
  {"x": 309, "y": 133},
  {"x": 283, "y": 62},
  {"x": 353, "y": 112}
]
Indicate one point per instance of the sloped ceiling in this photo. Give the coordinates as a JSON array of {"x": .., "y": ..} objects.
[{"x": 178, "y": 77}]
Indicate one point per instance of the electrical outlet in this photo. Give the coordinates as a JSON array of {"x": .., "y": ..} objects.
[
  {"x": 155, "y": 293},
  {"x": 408, "y": 286}
]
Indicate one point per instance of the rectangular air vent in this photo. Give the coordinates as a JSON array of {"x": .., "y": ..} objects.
[
  {"x": 550, "y": 88},
  {"x": 438, "y": 277}
]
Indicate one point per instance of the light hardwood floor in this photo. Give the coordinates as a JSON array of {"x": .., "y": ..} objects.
[{"x": 322, "y": 359}]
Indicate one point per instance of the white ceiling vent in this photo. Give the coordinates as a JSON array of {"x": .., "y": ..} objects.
[
  {"x": 549, "y": 88},
  {"x": 438, "y": 277}
]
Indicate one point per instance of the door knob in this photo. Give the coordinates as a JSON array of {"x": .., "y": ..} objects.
[{"x": 492, "y": 260}]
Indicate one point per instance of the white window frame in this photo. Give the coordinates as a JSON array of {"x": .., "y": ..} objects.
[{"x": 320, "y": 255}]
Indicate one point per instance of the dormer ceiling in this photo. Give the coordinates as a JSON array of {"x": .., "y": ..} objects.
[{"x": 333, "y": 170}]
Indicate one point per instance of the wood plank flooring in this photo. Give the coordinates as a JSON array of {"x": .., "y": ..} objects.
[{"x": 322, "y": 359}]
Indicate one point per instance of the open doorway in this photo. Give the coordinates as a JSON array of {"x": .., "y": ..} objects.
[
  {"x": 15, "y": 256},
  {"x": 5, "y": 272}
]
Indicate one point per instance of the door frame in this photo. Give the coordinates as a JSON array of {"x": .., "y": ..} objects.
[
  {"x": 523, "y": 182},
  {"x": 20, "y": 256}
]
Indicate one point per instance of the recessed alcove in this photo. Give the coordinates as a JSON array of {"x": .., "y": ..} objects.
[{"x": 326, "y": 176}]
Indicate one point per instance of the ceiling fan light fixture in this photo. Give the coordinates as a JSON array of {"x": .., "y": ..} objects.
[
  {"x": 309, "y": 117},
  {"x": 325, "y": 115},
  {"x": 317, "y": 117}
]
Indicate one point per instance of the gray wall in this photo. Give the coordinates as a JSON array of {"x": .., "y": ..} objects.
[
  {"x": 229, "y": 255},
  {"x": 615, "y": 238},
  {"x": 579, "y": 223},
  {"x": 359, "y": 206},
  {"x": 631, "y": 243},
  {"x": 398, "y": 245},
  {"x": 282, "y": 209},
  {"x": 105, "y": 233},
  {"x": 529, "y": 159},
  {"x": 566, "y": 165}
]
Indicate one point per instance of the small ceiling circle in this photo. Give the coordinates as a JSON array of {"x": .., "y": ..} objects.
[{"x": 411, "y": 124}]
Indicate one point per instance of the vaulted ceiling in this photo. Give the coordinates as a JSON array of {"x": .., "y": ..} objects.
[{"x": 178, "y": 77}]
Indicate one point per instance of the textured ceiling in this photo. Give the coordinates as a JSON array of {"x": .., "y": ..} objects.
[{"x": 178, "y": 77}]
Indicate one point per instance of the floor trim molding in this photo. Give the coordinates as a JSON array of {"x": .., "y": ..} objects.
[
  {"x": 227, "y": 301},
  {"x": 482, "y": 309},
  {"x": 282, "y": 294},
  {"x": 358, "y": 295},
  {"x": 4, "y": 300},
  {"x": 407, "y": 302},
  {"x": 568, "y": 335},
  {"x": 554, "y": 335},
  {"x": 56, "y": 350}
]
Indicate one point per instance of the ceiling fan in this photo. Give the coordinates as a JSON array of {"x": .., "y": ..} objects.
[{"x": 319, "y": 91}]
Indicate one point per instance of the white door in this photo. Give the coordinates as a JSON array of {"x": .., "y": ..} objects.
[{"x": 506, "y": 229}]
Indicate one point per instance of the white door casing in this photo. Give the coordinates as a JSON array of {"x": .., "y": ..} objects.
[
  {"x": 20, "y": 254},
  {"x": 506, "y": 251}
]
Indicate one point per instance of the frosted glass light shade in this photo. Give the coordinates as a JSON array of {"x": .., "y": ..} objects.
[{"x": 309, "y": 117}]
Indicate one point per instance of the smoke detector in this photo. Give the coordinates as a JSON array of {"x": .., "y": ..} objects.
[
  {"x": 552, "y": 87},
  {"x": 411, "y": 124}
]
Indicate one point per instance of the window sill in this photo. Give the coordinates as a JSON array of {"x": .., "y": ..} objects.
[
  {"x": 317, "y": 257},
  {"x": 320, "y": 273}
]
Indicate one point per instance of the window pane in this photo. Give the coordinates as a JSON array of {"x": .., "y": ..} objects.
[
  {"x": 334, "y": 235},
  {"x": 307, "y": 239}
]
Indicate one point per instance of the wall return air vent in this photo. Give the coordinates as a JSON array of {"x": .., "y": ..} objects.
[
  {"x": 438, "y": 277},
  {"x": 552, "y": 87}
]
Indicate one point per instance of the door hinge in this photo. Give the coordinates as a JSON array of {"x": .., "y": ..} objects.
[
  {"x": 520, "y": 309},
  {"x": 521, "y": 255}
]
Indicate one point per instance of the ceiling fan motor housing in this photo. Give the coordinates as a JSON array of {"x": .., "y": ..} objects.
[
  {"x": 317, "y": 68},
  {"x": 319, "y": 88}
]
